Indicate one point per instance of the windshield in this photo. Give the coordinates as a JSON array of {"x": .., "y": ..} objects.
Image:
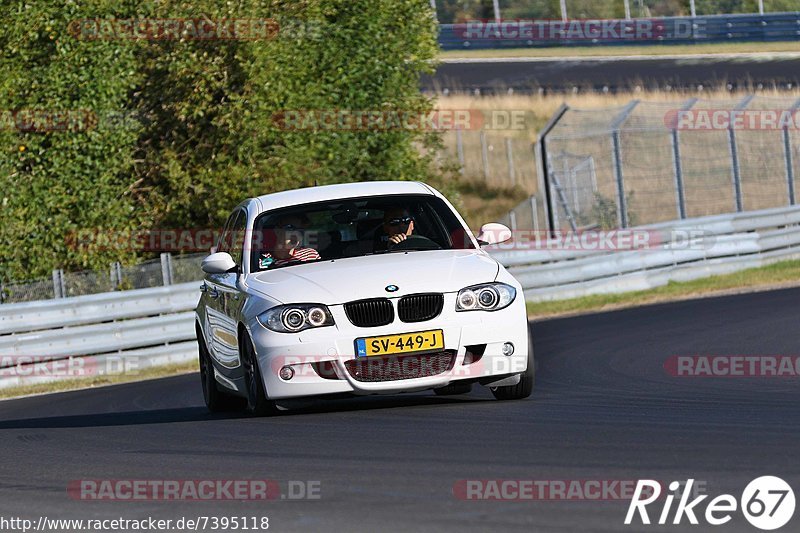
[{"x": 354, "y": 227}]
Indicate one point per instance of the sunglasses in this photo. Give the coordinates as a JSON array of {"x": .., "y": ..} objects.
[{"x": 400, "y": 221}]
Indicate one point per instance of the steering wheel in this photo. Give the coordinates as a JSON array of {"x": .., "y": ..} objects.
[{"x": 414, "y": 242}]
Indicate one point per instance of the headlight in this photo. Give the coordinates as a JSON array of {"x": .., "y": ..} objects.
[
  {"x": 485, "y": 297},
  {"x": 296, "y": 317}
]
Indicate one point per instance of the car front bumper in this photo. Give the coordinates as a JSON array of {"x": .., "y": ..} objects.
[{"x": 331, "y": 348}]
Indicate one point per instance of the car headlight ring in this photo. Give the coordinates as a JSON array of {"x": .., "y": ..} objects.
[
  {"x": 485, "y": 297},
  {"x": 293, "y": 318}
]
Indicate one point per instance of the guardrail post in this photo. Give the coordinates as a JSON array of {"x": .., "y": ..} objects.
[
  {"x": 166, "y": 268},
  {"x": 735, "y": 168},
  {"x": 59, "y": 289},
  {"x": 787, "y": 153}
]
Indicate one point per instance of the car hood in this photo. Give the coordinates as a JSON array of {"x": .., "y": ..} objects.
[{"x": 344, "y": 280}]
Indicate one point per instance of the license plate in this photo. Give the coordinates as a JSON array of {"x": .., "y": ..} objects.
[{"x": 421, "y": 341}]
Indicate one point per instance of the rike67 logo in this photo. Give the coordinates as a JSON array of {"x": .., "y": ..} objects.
[{"x": 767, "y": 503}]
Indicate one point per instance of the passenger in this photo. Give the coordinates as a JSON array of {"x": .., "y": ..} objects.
[{"x": 289, "y": 237}]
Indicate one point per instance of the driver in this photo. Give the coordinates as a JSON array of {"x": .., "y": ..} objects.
[
  {"x": 398, "y": 225},
  {"x": 289, "y": 236}
]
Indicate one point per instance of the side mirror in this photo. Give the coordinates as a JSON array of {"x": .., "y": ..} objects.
[
  {"x": 218, "y": 263},
  {"x": 493, "y": 233}
]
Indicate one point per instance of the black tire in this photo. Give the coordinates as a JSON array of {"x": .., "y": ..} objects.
[
  {"x": 454, "y": 389},
  {"x": 257, "y": 402},
  {"x": 524, "y": 388},
  {"x": 216, "y": 400}
]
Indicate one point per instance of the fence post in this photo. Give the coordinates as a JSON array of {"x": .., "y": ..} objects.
[
  {"x": 535, "y": 215},
  {"x": 116, "y": 275},
  {"x": 735, "y": 169},
  {"x": 460, "y": 150},
  {"x": 166, "y": 268},
  {"x": 677, "y": 162},
  {"x": 542, "y": 160},
  {"x": 693, "y": 8},
  {"x": 787, "y": 152},
  {"x": 59, "y": 289},
  {"x": 512, "y": 218},
  {"x": 2, "y": 293},
  {"x": 564, "y": 9},
  {"x": 510, "y": 153},
  {"x": 616, "y": 142},
  {"x": 485, "y": 156}
]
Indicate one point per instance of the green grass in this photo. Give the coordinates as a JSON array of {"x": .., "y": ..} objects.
[
  {"x": 645, "y": 50},
  {"x": 773, "y": 275},
  {"x": 99, "y": 381}
]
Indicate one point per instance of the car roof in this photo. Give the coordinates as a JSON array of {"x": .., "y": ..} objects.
[{"x": 324, "y": 193}]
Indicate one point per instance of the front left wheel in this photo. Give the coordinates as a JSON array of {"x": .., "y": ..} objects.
[
  {"x": 257, "y": 402},
  {"x": 524, "y": 388},
  {"x": 216, "y": 400}
]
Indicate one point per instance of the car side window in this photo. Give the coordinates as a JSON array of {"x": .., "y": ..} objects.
[
  {"x": 224, "y": 243},
  {"x": 237, "y": 237}
]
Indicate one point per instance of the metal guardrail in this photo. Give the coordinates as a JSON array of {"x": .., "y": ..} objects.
[
  {"x": 155, "y": 326},
  {"x": 149, "y": 327},
  {"x": 726, "y": 243},
  {"x": 676, "y": 30}
]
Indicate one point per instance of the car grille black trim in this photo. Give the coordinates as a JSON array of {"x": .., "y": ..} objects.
[
  {"x": 420, "y": 307},
  {"x": 370, "y": 313},
  {"x": 400, "y": 367}
]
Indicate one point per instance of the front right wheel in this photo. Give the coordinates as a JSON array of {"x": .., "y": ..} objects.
[{"x": 524, "y": 388}]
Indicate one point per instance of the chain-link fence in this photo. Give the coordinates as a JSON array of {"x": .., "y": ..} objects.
[
  {"x": 496, "y": 158},
  {"x": 653, "y": 162},
  {"x": 454, "y": 11},
  {"x": 155, "y": 273}
]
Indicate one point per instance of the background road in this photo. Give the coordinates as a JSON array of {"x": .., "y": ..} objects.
[
  {"x": 604, "y": 408},
  {"x": 563, "y": 74}
]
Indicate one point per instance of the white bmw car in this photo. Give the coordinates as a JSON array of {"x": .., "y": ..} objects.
[{"x": 363, "y": 288}]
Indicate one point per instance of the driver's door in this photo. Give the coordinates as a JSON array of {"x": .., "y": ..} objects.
[{"x": 223, "y": 297}]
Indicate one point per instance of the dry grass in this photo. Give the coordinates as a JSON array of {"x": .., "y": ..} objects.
[
  {"x": 606, "y": 51},
  {"x": 646, "y": 155}
]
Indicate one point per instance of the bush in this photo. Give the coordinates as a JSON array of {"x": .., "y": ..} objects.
[{"x": 185, "y": 128}]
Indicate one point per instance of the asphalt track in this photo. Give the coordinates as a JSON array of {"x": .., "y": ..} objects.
[
  {"x": 604, "y": 408},
  {"x": 560, "y": 75}
]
